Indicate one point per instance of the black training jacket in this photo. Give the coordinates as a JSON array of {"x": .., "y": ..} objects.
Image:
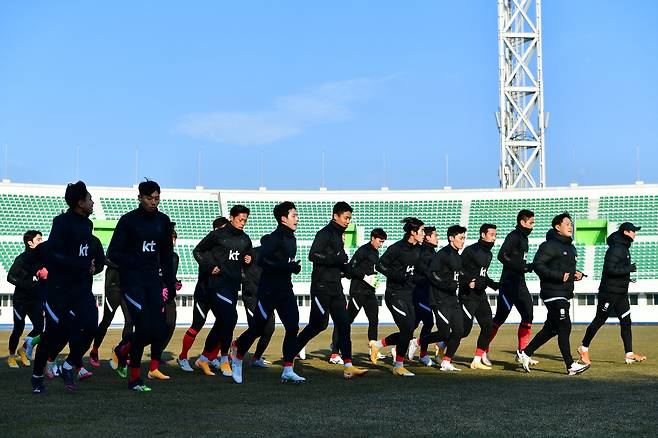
[
  {"x": 513, "y": 254},
  {"x": 70, "y": 252},
  {"x": 476, "y": 260},
  {"x": 225, "y": 248},
  {"x": 251, "y": 276},
  {"x": 362, "y": 264},
  {"x": 617, "y": 264},
  {"x": 554, "y": 257},
  {"x": 398, "y": 265},
  {"x": 422, "y": 287},
  {"x": 277, "y": 258},
  {"x": 443, "y": 274},
  {"x": 329, "y": 260},
  {"x": 22, "y": 275},
  {"x": 141, "y": 245}
]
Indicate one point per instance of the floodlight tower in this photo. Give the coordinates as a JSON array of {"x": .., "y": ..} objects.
[{"x": 520, "y": 119}]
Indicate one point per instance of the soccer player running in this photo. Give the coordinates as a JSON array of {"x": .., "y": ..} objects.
[
  {"x": 199, "y": 313},
  {"x": 25, "y": 273},
  {"x": 73, "y": 256},
  {"x": 330, "y": 264},
  {"x": 251, "y": 274},
  {"x": 141, "y": 246},
  {"x": 443, "y": 274},
  {"x": 473, "y": 283},
  {"x": 421, "y": 297},
  {"x": 513, "y": 254},
  {"x": 275, "y": 292},
  {"x": 398, "y": 264},
  {"x": 555, "y": 264},
  {"x": 613, "y": 292},
  {"x": 362, "y": 289},
  {"x": 221, "y": 255}
]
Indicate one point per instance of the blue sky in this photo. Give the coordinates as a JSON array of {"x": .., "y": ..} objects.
[{"x": 287, "y": 80}]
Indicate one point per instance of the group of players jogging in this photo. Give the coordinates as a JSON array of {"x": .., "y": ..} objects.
[{"x": 444, "y": 290}]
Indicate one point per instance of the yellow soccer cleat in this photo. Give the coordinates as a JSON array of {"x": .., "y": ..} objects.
[
  {"x": 24, "y": 359},
  {"x": 205, "y": 367},
  {"x": 479, "y": 366},
  {"x": 402, "y": 372},
  {"x": 352, "y": 371},
  {"x": 226, "y": 370},
  {"x": 11, "y": 361},
  {"x": 158, "y": 375},
  {"x": 374, "y": 351}
]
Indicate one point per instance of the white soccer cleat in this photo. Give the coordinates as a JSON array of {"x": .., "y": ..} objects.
[
  {"x": 520, "y": 360},
  {"x": 413, "y": 346},
  {"x": 261, "y": 363},
  {"x": 336, "y": 360},
  {"x": 448, "y": 367},
  {"x": 577, "y": 368},
  {"x": 485, "y": 360},
  {"x": 237, "y": 370},
  {"x": 302, "y": 354},
  {"x": 291, "y": 377},
  {"x": 184, "y": 365},
  {"x": 426, "y": 360},
  {"x": 525, "y": 361}
]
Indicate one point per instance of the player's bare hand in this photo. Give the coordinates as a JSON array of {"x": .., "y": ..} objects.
[
  {"x": 247, "y": 259},
  {"x": 565, "y": 278},
  {"x": 215, "y": 270},
  {"x": 578, "y": 276}
]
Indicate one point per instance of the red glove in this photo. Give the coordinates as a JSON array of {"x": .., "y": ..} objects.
[
  {"x": 42, "y": 274},
  {"x": 179, "y": 286}
]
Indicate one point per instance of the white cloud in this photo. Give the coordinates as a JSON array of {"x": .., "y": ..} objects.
[{"x": 290, "y": 115}]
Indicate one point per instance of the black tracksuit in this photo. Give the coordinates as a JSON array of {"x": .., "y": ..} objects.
[
  {"x": 113, "y": 300},
  {"x": 443, "y": 274},
  {"x": 398, "y": 265},
  {"x": 275, "y": 292},
  {"x": 421, "y": 294},
  {"x": 362, "y": 295},
  {"x": 555, "y": 257},
  {"x": 226, "y": 249},
  {"x": 250, "y": 280},
  {"x": 613, "y": 289},
  {"x": 141, "y": 246},
  {"x": 70, "y": 306},
  {"x": 475, "y": 264},
  {"x": 329, "y": 263},
  {"x": 513, "y": 291},
  {"x": 27, "y": 300}
]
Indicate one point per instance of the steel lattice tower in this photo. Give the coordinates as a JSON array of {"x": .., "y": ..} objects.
[{"x": 520, "y": 118}]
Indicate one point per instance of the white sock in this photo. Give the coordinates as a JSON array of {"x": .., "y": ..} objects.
[
  {"x": 442, "y": 345},
  {"x": 477, "y": 359},
  {"x": 223, "y": 359},
  {"x": 287, "y": 369},
  {"x": 445, "y": 363},
  {"x": 398, "y": 364},
  {"x": 629, "y": 354},
  {"x": 347, "y": 364},
  {"x": 203, "y": 358},
  {"x": 379, "y": 345},
  {"x": 67, "y": 366},
  {"x": 583, "y": 348},
  {"x": 237, "y": 361},
  {"x": 28, "y": 341}
]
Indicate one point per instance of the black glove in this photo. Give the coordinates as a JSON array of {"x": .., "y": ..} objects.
[
  {"x": 633, "y": 267},
  {"x": 295, "y": 267},
  {"x": 495, "y": 285},
  {"x": 529, "y": 267}
]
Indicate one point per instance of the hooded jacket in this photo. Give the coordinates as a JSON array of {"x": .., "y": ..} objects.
[
  {"x": 513, "y": 254},
  {"x": 443, "y": 274},
  {"x": 617, "y": 266},
  {"x": 422, "y": 288},
  {"x": 277, "y": 258},
  {"x": 362, "y": 264},
  {"x": 555, "y": 257}
]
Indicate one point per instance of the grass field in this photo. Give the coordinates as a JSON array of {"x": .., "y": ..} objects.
[{"x": 610, "y": 399}]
